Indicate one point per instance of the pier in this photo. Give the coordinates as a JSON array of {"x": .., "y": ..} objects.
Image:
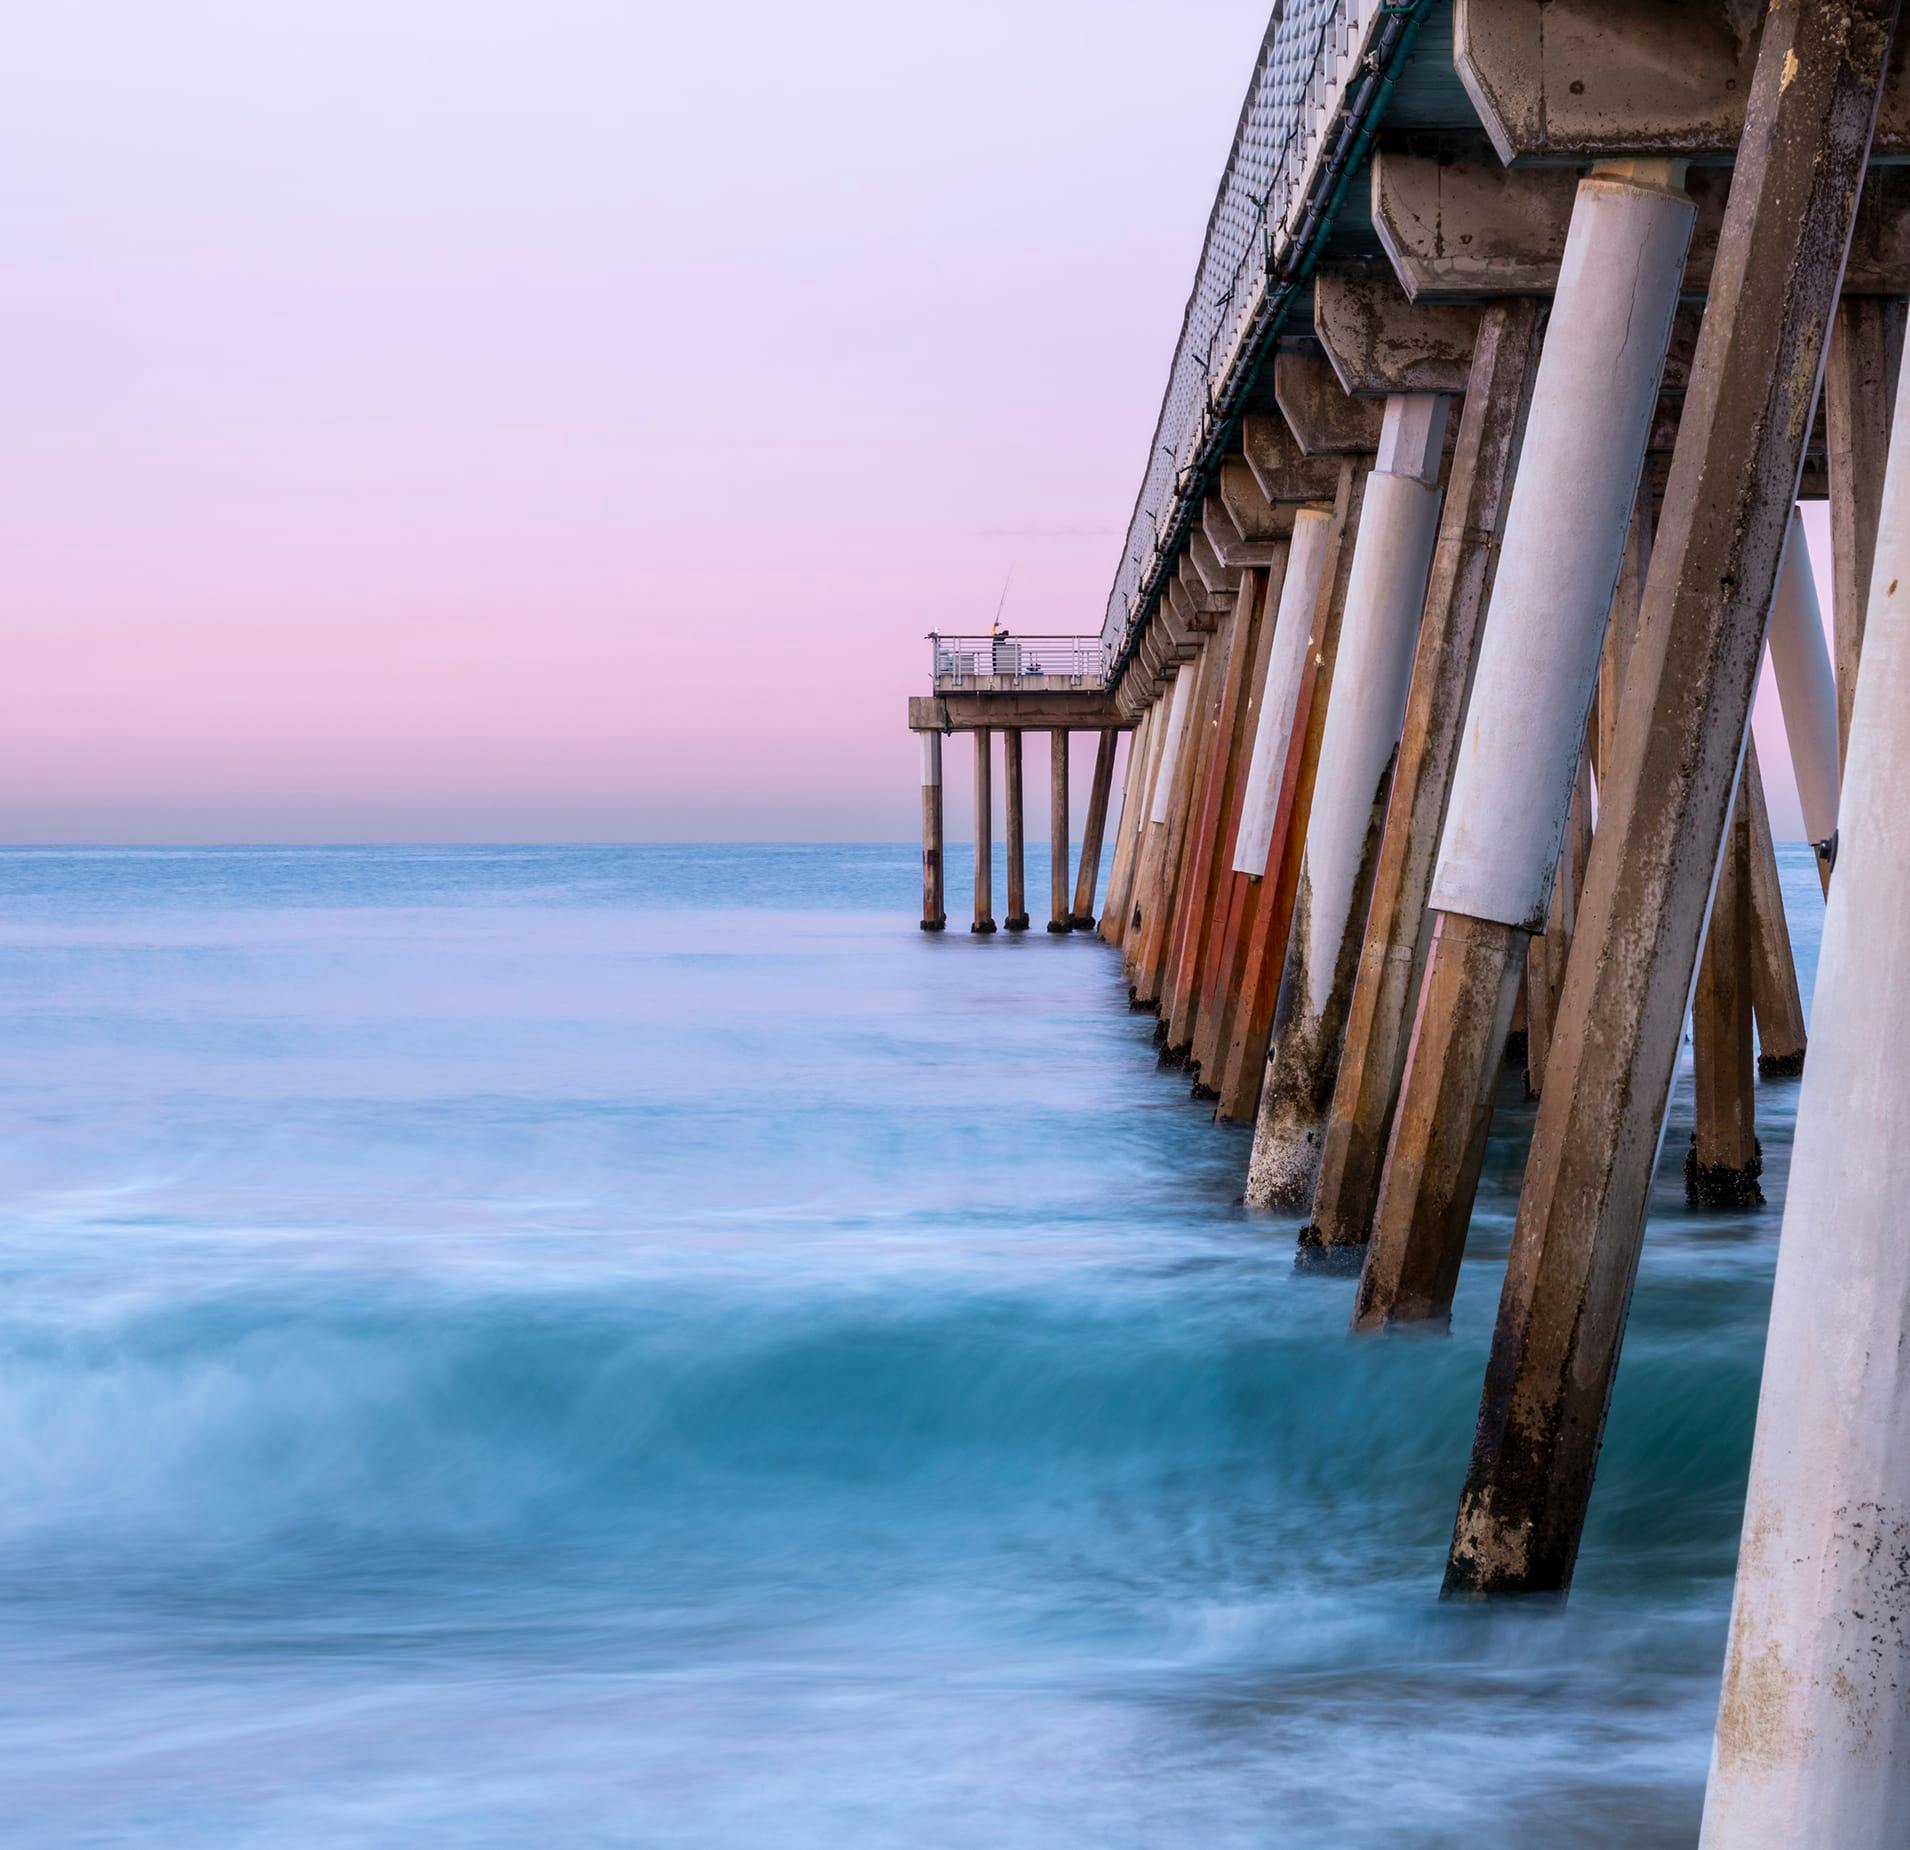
[{"x": 1422, "y": 700}]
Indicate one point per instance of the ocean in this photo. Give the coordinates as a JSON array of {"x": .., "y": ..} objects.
[{"x": 641, "y": 1346}]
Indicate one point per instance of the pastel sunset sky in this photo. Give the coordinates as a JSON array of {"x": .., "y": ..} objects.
[{"x": 485, "y": 421}]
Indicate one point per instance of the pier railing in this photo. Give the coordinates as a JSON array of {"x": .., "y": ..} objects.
[{"x": 1005, "y": 663}]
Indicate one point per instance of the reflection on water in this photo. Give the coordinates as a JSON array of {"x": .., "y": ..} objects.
[{"x": 642, "y": 1346}]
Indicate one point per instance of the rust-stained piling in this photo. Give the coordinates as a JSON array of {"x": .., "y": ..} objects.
[{"x": 1681, "y": 724}]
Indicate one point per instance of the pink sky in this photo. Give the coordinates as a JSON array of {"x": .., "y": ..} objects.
[{"x": 490, "y": 422}]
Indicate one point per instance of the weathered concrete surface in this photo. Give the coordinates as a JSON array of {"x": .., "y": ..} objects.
[
  {"x": 1385, "y": 596},
  {"x": 1130, "y": 824},
  {"x": 1016, "y": 819},
  {"x": 1173, "y": 800},
  {"x": 1591, "y": 79},
  {"x": 1675, "y": 762},
  {"x": 1323, "y": 419},
  {"x": 1807, "y": 692},
  {"x": 1094, "y": 832},
  {"x": 1813, "y": 1732},
  {"x": 1491, "y": 429},
  {"x": 1377, "y": 341},
  {"x": 1165, "y": 771}
]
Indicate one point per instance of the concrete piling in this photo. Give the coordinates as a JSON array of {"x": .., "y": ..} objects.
[
  {"x": 1515, "y": 780},
  {"x": 1058, "y": 919},
  {"x": 1813, "y": 1733},
  {"x": 1724, "y": 1160},
  {"x": 984, "y": 833},
  {"x": 1386, "y": 591},
  {"x": 1807, "y": 692},
  {"x": 1680, "y": 738},
  {"x": 934, "y": 915},
  {"x": 1094, "y": 832},
  {"x": 1491, "y": 429},
  {"x": 1016, "y": 818}
]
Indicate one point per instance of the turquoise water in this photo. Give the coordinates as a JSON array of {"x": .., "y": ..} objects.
[{"x": 644, "y": 1347}]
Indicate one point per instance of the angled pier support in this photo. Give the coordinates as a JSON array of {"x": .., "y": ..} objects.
[
  {"x": 1807, "y": 693},
  {"x": 984, "y": 832},
  {"x": 1017, "y": 919},
  {"x": 1491, "y": 429},
  {"x": 1724, "y": 1161},
  {"x": 1571, "y": 510},
  {"x": 1094, "y": 833},
  {"x": 934, "y": 913},
  {"x": 1681, "y": 727},
  {"x": 1058, "y": 919},
  {"x": 1813, "y": 1733},
  {"x": 1285, "y": 794},
  {"x": 1776, "y": 1002},
  {"x": 1386, "y": 592}
]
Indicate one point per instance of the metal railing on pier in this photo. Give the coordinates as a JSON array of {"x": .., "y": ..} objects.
[{"x": 1004, "y": 663}]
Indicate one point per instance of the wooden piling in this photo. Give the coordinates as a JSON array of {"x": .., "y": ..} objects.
[
  {"x": 1017, "y": 919},
  {"x": 1687, "y": 696},
  {"x": 934, "y": 913},
  {"x": 1094, "y": 832},
  {"x": 1723, "y": 1162},
  {"x": 984, "y": 833},
  {"x": 1485, "y": 455},
  {"x": 1058, "y": 831}
]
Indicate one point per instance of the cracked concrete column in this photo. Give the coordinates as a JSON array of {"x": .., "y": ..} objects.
[
  {"x": 1571, "y": 510},
  {"x": 1813, "y": 1734},
  {"x": 1385, "y": 594}
]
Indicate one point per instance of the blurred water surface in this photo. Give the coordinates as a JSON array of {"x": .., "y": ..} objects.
[{"x": 640, "y": 1346}]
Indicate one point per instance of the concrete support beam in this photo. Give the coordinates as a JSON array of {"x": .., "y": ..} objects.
[
  {"x": 1263, "y": 951},
  {"x": 1813, "y": 1733},
  {"x": 1385, "y": 595},
  {"x": 1058, "y": 833},
  {"x": 934, "y": 911},
  {"x": 1680, "y": 739},
  {"x": 1093, "y": 832},
  {"x": 1217, "y": 577},
  {"x": 1565, "y": 80},
  {"x": 1034, "y": 711},
  {"x": 1546, "y": 952},
  {"x": 1213, "y": 801},
  {"x": 1279, "y": 470},
  {"x": 1458, "y": 225},
  {"x": 1860, "y": 386},
  {"x": 1724, "y": 1160},
  {"x": 1514, "y": 781},
  {"x": 1323, "y": 419},
  {"x": 1255, "y": 518},
  {"x": 1208, "y": 607},
  {"x": 984, "y": 832},
  {"x": 1491, "y": 429},
  {"x": 1223, "y": 536},
  {"x": 1378, "y": 341},
  {"x": 1777, "y": 1004}
]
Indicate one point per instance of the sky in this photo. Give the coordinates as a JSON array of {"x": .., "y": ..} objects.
[{"x": 493, "y": 422}]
